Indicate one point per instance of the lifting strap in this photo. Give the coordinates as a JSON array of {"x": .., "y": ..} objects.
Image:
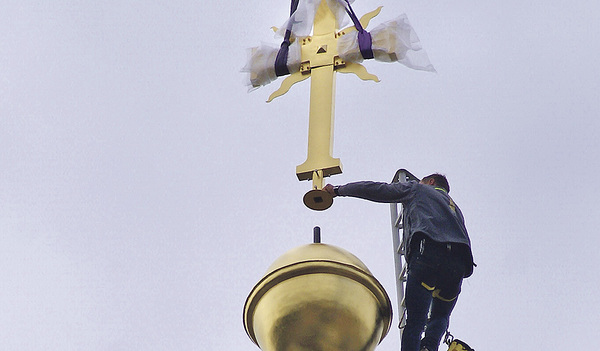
[
  {"x": 281, "y": 68},
  {"x": 365, "y": 42}
]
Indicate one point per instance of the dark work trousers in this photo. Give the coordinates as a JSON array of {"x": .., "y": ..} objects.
[{"x": 435, "y": 274}]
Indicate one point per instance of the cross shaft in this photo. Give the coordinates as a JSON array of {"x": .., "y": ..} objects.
[{"x": 319, "y": 58}]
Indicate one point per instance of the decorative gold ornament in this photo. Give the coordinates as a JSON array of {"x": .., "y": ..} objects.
[{"x": 317, "y": 297}]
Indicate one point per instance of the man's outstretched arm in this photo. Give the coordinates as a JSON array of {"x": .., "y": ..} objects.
[{"x": 373, "y": 191}]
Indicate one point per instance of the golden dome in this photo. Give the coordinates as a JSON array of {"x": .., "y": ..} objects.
[
  {"x": 317, "y": 297},
  {"x": 317, "y": 252}
]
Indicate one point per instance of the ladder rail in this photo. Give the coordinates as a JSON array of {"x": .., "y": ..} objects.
[{"x": 400, "y": 264}]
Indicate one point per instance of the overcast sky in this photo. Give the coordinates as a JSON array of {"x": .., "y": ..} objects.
[{"x": 144, "y": 192}]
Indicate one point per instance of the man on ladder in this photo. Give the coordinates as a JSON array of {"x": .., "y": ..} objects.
[{"x": 438, "y": 252}]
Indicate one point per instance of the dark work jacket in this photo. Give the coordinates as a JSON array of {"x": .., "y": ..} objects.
[{"x": 430, "y": 211}]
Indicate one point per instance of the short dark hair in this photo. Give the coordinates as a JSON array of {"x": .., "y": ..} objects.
[{"x": 440, "y": 180}]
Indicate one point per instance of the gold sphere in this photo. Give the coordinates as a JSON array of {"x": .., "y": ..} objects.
[{"x": 317, "y": 297}]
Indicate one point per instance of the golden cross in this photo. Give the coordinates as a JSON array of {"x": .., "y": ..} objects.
[{"x": 320, "y": 61}]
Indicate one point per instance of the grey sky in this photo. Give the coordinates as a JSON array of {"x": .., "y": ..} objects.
[{"x": 143, "y": 191}]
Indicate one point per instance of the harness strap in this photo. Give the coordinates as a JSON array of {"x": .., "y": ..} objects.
[{"x": 436, "y": 293}]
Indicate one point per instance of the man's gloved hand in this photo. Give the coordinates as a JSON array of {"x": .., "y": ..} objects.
[{"x": 330, "y": 189}]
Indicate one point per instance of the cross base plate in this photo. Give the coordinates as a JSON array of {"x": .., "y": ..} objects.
[{"x": 318, "y": 200}]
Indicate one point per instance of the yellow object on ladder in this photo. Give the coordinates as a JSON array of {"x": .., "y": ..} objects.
[{"x": 457, "y": 345}]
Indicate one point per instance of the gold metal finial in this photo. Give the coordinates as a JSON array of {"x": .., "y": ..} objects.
[
  {"x": 317, "y": 297},
  {"x": 320, "y": 61}
]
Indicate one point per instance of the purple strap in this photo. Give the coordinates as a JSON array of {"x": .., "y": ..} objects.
[
  {"x": 282, "y": 55},
  {"x": 365, "y": 43}
]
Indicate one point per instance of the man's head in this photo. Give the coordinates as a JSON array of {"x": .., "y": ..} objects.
[{"x": 438, "y": 180}]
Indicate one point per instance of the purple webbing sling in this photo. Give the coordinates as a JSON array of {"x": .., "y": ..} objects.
[
  {"x": 281, "y": 68},
  {"x": 365, "y": 42}
]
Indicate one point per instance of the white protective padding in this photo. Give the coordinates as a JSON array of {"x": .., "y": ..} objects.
[
  {"x": 338, "y": 7},
  {"x": 261, "y": 59},
  {"x": 303, "y": 18},
  {"x": 393, "y": 41},
  {"x": 301, "y": 21},
  {"x": 261, "y": 64}
]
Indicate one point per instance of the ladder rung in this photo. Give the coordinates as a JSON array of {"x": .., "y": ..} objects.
[
  {"x": 399, "y": 250},
  {"x": 402, "y": 277},
  {"x": 398, "y": 222}
]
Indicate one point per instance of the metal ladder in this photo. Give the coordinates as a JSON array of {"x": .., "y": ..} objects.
[{"x": 402, "y": 175}]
